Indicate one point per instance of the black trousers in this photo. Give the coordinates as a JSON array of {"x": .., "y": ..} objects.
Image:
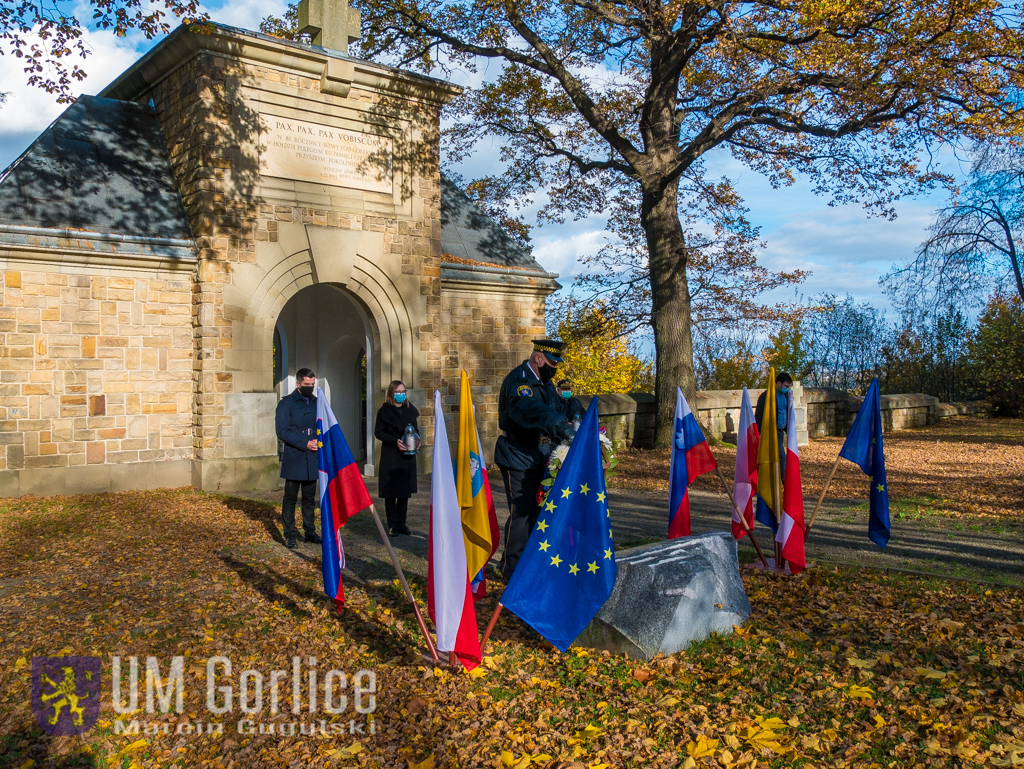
[
  {"x": 397, "y": 511},
  {"x": 521, "y": 488},
  {"x": 291, "y": 494}
]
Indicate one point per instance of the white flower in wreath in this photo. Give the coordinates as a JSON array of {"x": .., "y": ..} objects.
[
  {"x": 559, "y": 453},
  {"x": 606, "y": 441}
]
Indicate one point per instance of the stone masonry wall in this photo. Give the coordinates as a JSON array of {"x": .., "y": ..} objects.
[
  {"x": 93, "y": 370},
  {"x": 488, "y": 336},
  {"x": 196, "y": 121}
]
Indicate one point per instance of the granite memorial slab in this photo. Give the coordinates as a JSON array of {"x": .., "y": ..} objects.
[{"x": 669, "y": 595}]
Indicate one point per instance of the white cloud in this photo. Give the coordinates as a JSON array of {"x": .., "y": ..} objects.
[
  {"x": 30, "y": 109},
  {"x": 247, "y": 15},
  {"x": 560, "y": 248},
  {"x": 845, "y": 235}
]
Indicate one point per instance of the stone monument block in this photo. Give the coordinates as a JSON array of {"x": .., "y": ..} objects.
[{"x": 670, "y": 594}]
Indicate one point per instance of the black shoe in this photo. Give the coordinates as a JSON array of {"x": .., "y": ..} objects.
[
  {"x": 403, "y": 529},
  {"x": 290, "y": 544},
  {"x": 314, "y": 538}
]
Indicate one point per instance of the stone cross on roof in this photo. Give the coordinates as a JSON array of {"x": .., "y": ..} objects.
[{"x": 330, "y": 23}]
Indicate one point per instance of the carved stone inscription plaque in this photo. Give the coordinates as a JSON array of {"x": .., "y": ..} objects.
[{"x": 322, "y": 154}]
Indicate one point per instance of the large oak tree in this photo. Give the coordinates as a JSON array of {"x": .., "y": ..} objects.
[{"x": 593, "y": 97}]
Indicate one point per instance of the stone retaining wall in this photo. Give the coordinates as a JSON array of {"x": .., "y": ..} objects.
[{"x": 819, "y": 412}]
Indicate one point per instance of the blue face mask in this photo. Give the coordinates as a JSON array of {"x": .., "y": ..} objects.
[
  {"x": 400, "y": 398},
  {"x": 566, "y": 394},
  {"x": 784, "y": 389}
]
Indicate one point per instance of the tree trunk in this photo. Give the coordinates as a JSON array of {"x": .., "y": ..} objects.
[{"x": 670, "y": 307}]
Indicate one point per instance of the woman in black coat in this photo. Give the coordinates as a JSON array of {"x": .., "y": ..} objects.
[{"x": 397, "y": 475}]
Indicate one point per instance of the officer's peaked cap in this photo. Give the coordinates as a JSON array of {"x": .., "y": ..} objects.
[{"x": 552, "y": 348}]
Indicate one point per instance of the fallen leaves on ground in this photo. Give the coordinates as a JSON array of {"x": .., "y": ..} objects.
[
  {"x": 839, "y": 668},
  {"x": 963, "y": 466}
]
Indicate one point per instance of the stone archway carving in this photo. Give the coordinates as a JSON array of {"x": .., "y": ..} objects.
[{"x": 308, "y": 254}]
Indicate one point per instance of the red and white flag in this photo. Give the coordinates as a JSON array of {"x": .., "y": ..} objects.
[
  {"x": 449, "y": 599},
  {"x": 791, "y": 525},
  {"x": 745, "y": 480}
]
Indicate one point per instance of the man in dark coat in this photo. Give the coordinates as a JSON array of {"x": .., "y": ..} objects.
[
  {"x": 528, "y": 416},
  {"x": 296, "y": 429}
]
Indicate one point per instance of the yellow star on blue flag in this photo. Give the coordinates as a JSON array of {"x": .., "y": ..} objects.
[{"x": 558, "y": 602}]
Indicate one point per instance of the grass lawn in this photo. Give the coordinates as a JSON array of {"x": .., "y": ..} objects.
[{"x": 843, "y": 667}]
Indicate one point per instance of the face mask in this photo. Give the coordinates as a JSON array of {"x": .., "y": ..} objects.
[
  {"x": 400, "y": 398},
  {"x": 784, "y": 389},
  {"x": 547, "y": 373},
  {"x": 567, "y": 394},
  {"x": 306, "y": 391}
]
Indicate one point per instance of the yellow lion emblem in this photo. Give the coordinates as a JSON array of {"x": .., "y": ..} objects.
[
  {"x": 524, "y": 390},
  {"x": 66, "y": 695}
]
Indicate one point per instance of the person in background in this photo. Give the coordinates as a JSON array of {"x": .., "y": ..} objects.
[
  {"x": 397, "y": 478},
  {"x": 783, "y": 396},
  {"x": 295, "y": 423},
  {"x": 568, "y": 405}
]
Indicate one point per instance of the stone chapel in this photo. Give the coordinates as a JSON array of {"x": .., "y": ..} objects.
[{"x": 233, "y": 207}]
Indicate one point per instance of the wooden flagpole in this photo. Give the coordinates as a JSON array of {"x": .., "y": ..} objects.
[
  {"x": 743, "y": 520},
  {"x": 405, "y": 585},
  {"x": 780, "y": 562},
  {"x": 821, "y": 498},
  {"x": 490, "y": 626}
]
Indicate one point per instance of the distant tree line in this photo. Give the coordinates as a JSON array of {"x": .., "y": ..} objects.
[{"x": 839, "y": 343}]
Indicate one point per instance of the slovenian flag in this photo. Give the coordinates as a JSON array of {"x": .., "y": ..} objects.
[
  {"x": 342, "y": 494},
  {"x": 691, "y": 457},
  {"x": 479, "y": 518},
  {"x": 448, "y": 596},
  {"x": 745, "y": 480},
  {"x": 791, "y": 523}
]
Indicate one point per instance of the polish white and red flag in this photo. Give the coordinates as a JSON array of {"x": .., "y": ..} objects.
[
  {"x": 791, "y": 525},
  {"x": 449, "y": 599},
  {"x": 745, "y": 479}
]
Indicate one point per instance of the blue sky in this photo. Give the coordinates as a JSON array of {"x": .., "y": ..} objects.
[{"x": 843, "y": 248}]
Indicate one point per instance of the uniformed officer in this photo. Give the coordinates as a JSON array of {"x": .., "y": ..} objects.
[{"x": 528, "y": 416}]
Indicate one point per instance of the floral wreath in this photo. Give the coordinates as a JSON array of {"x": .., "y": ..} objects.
[{"x": 557, "y": 457}]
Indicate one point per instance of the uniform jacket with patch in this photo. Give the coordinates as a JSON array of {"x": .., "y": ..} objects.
[{"x": 527, "y": 411}]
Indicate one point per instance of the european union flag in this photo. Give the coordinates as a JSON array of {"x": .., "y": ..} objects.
[
  {"x": 567, "y": 570},
  {"x": 864, "y": 447}
]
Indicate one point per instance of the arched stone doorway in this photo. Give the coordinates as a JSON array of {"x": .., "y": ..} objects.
[
  {"x": 324, "y": 328},
  {"x": 367, "y": 300}
]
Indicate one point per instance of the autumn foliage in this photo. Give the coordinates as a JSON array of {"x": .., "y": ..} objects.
[
  {"x": 842, "y": 668},
  {"x": 599, "y": 357}
]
